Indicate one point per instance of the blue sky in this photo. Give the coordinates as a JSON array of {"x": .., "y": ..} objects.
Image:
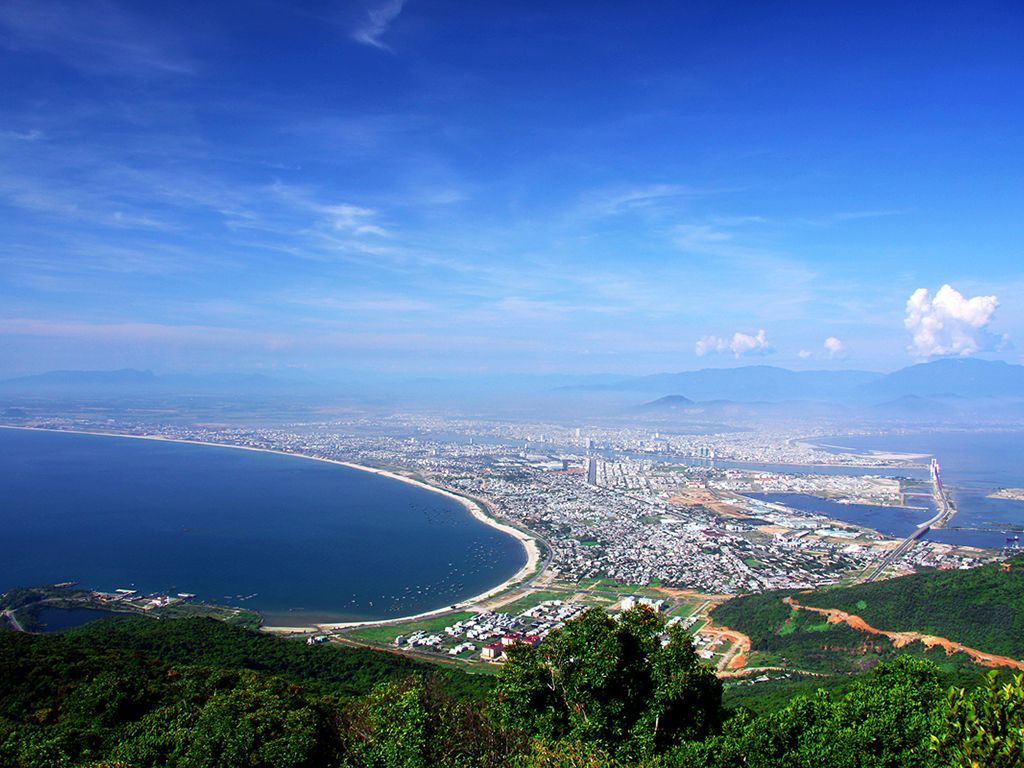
[{"x": 423, "y": 187}]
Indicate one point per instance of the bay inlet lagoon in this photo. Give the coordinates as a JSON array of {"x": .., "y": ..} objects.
[
  {"x": 300, "y": 541},
  {"x": 975, "y": 465}
]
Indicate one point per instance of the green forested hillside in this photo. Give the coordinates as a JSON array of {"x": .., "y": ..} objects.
[
  {"x": 982, "y": 608},
  {"x": 347, "y": 670},
  {"x": 76, "y": 700},
  {"x": 782, "y": 636}
]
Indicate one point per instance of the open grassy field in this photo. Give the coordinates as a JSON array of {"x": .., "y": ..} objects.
[
  {"x": 683, "y": 609},
  {"x": 534, "y": 599},
  {"x": 610, "y": 585},
  {"x": 386, "y": 633}
]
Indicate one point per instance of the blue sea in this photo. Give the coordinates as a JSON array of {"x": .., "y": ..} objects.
[{"x": 298, "y": 540}]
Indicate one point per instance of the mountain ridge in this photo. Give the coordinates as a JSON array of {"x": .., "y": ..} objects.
[
  {"x": 968, "y": 378},
  {"x": 943, "y": 379}
]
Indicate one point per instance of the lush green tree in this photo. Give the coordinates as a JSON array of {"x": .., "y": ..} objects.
[
  {"x": 686, "y": 700},
  {"x": 611, "y": 684},
  {"x": 984, "y": 728},
  {"x": 565, "y": 754},
  {"x": 413, "y": 724},
  {"x": 235, "y": 719},
  {"x": 392, "y": 731},
  {"x": 526, "y": 698},
  {"x": 882, "y": 722}
]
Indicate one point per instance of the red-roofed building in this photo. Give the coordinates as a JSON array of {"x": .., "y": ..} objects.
[{"x": 492, "y": 652}]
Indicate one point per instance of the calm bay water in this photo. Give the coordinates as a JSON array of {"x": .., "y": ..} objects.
[
  {"x": 973, "y": 465},
  {"x": 298, "y": 540},
  {"x": 59, "y": 619},
  {"x": 892, "y": 521}
]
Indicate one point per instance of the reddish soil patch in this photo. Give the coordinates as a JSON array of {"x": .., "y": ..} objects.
[
  {"x": 736, "y": 657},
  {"x": 753, "y": 670},
  {"x": 901, "y": 639}
]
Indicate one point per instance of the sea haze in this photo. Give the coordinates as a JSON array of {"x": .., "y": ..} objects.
[{"x": 296, "y": 539}]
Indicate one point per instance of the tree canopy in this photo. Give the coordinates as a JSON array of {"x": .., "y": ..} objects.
[
  {"x": 600, "y": 692},
  {"x": 630, "y": 686}
]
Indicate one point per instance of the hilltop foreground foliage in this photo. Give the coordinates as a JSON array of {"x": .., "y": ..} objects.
[{"x": 197, "y": 694}]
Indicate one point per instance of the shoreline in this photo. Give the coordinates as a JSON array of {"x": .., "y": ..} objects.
[{"x": 528, "y": 542}]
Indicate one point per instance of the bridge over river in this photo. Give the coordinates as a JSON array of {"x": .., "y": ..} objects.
[{"x": 945, "y": 509}]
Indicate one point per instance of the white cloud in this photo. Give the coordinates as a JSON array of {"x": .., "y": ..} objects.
[
  {"x": 704, "y": 239},
  {"x": 94, "y": 37},
  {"x": 619, "y": 200},
  {"x": 377, "y": 22},
  {"x": 834, "y": 346},
  {"x": 948, "y": 324},
  {"x": 803, "y": 354},
  {"x": 739, "y": 344},
  {"x": 353, "y": 218},
  {"x": 31, "y": 135},
  {"x": 341, "y": 217}
]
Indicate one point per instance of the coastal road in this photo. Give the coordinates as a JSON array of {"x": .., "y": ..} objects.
[{"x": 11, "y": 619}]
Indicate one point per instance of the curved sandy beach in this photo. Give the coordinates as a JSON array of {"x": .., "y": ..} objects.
[{"x": 529, "y": 543}]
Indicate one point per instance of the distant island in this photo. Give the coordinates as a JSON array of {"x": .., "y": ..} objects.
[{"x": 1014, "y": 494}]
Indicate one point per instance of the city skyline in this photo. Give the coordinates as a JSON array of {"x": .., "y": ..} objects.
[{"x": 422, "y": 188}]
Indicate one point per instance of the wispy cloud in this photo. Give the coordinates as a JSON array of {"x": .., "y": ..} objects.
[
  {"x": 620, "y": 200},
  {"x": 376, "y": 23},
  {"x": 393, "y": 303},
  {"x": 840, "y": 217},
  {"x": 140, "y": 332},
  {"x": 193, "y": 337},
  {"x": 343, "y": 217},
  {"x": 95, "y": 37},
  {"x": 704, "y": 239},
  {"x": 30, "y": 135},
  {"x": 56, "y": 198}
]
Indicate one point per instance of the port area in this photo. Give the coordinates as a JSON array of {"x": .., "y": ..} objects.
[{"x": 20, "y": 608}]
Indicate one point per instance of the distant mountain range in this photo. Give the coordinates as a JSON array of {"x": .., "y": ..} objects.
[
  {"x": 957, "y": 378},
  {"x": 668, "y": 403},
  {"x": 755, "y": 382},
  {"x": 945, "y": 385},
  {"x": 129, "y": 381}
]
